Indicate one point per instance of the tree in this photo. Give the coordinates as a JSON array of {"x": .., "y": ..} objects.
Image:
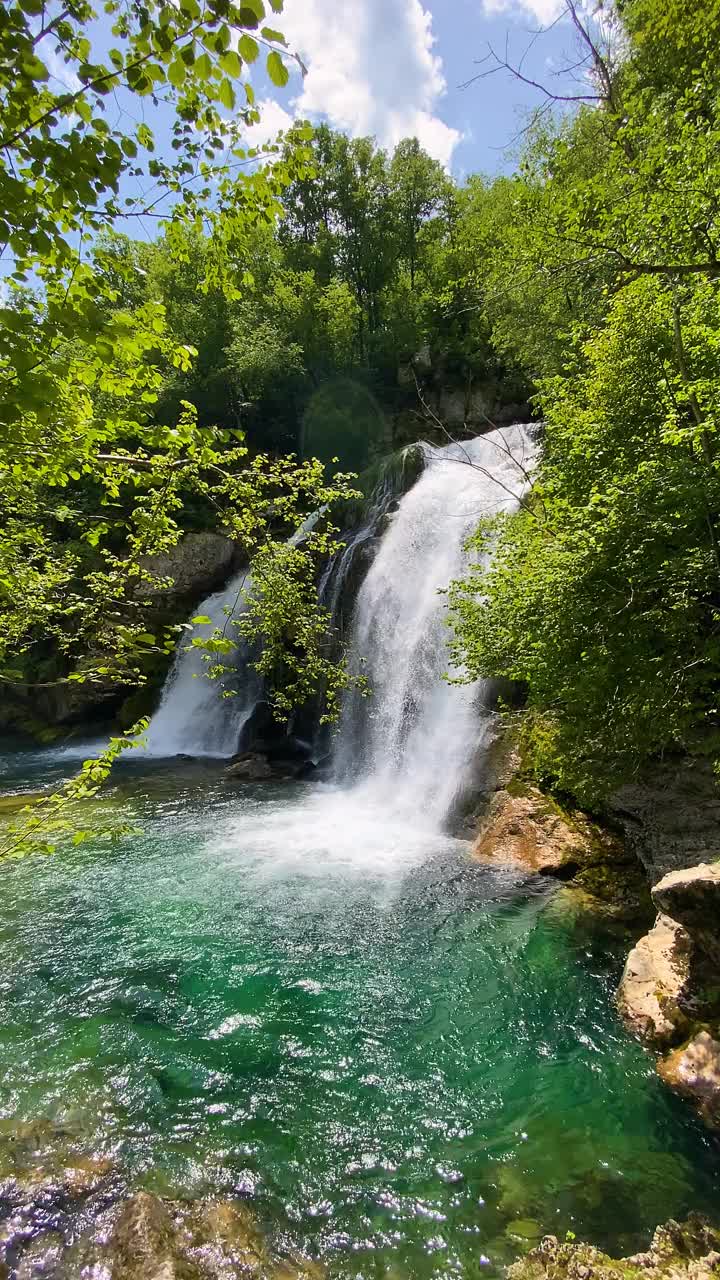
[
  {"x": 93, "y": 480},
  {"x": 419, "y": 189},
  {"x": 603, "y": 595}
]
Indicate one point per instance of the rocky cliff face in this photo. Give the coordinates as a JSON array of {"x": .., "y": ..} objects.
[
  {"x": 670, "y": 992},
  {"x": 671, "y": 816},
  {"x": 518, "y": 824}
]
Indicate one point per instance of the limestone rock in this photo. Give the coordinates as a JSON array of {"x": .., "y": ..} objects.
[
  {"x": 525, "y": 827},
  {"x": 252, "y": 767},
  {"x": 198, "y": 563},
  {"x": 145, "y": 1243},
  {"x": 692, "y": 896},
  {"x": 679, "y": 1251},
  {"x": 656, "y": 977},
  {"x": 671, "y": 817},
  {"x": 694, "y": 1071}
]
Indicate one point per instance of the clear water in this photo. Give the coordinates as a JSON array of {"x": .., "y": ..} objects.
[{"x": 395, "y": 1054}]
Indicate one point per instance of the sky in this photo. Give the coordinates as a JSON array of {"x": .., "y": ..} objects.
[{"x": 399, "y": 68}]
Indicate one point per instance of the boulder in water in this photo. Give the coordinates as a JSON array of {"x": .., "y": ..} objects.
[
  {"x": 694, "y": 1071},
  {"x": 252, "y": 767},
  {"x": 656, "y": 976},
  {"x": 522, "y": 826},
  {"x": 679, "y": 1251}
]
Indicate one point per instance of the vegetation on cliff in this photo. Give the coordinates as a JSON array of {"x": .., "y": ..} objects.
[{"x": 603, "y": 594}]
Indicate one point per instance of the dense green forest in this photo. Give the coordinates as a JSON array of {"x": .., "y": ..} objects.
[{"x": 312, "y": 308}]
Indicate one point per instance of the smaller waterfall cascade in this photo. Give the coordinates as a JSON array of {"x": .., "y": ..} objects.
[
  {"x": 411, "y": 744},
  {"x": 193, "y": 718}
]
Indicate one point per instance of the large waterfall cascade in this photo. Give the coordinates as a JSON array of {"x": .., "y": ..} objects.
[{"x": 411, "y": 743}]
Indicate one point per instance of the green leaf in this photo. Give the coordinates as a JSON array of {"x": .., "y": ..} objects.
[
  {"x": 177, "y": 72},
  {"x": 251, "y": 14},
  {"x": 227, "y": 95},
  {"x": 201, "y": 620},
  {"x": 35, "y": 69},
  {"x": 277, "y": 70},
  {"x": 248, "y": 48},
  {"x": 203, "y": 67},
  {"x": 230, "y": 62},
  {"x": 269, "y": 33}
]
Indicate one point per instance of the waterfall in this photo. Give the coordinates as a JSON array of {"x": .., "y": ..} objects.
[
  {"x": 412, "y": 743},
  {"x": 193, "y": 718}
]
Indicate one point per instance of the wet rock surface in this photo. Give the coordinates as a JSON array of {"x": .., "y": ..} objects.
[
  {"x": 524, "y": 827},
  {"x": 679, "y": 1250}
]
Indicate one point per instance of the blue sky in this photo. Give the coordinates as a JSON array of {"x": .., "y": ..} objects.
[{"x": 394, "y": 68}]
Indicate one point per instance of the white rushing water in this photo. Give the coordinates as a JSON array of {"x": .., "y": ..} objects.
[
  {"x": 193, "y": 717},
  {"x": 411, "y": 745},
  {"x": 407, "y": 750}
]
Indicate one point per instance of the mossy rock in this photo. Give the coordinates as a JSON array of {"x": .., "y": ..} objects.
[{"x": 677, "y": 1250}]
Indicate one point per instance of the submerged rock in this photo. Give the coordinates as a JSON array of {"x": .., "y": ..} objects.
[
  {"x": 679, "y": 1250},
  {"x": 145, "y": 1243}
]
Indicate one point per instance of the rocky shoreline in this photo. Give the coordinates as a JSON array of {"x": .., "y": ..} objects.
[
  {"x": 67, "y": 1213},
  {"x": 655, "y": 852}
]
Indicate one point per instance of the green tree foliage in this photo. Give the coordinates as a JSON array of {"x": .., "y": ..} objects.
[
  {"x": 603, "y": 593},
  {"x": 95, "y": 331}
]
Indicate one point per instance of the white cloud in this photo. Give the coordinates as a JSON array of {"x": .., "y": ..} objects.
[
  {"x": 371, "y": 70},
  {"x": 543, "y": 11},
  {"x": 273, "y": 119},
  {"x": 58, "y": 68}
]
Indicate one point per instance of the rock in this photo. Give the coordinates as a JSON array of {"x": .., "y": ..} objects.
[
  {"x": 694, "y": 1071},
  {"x": 197, "y": 564},
  {"x": 42, "y": 1258},
  {"x": 252, "y": 767},
  {"x": 524, "y": 1229},
  {"x": 656, "y": 976},
  {"x": 671, "y": 817},
  {"x": 145, "y": 1243},
  {"x": 679, "y": 1251},
  {"x": 692, "y": 897},
  {"x": 525, "y": 827}
]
